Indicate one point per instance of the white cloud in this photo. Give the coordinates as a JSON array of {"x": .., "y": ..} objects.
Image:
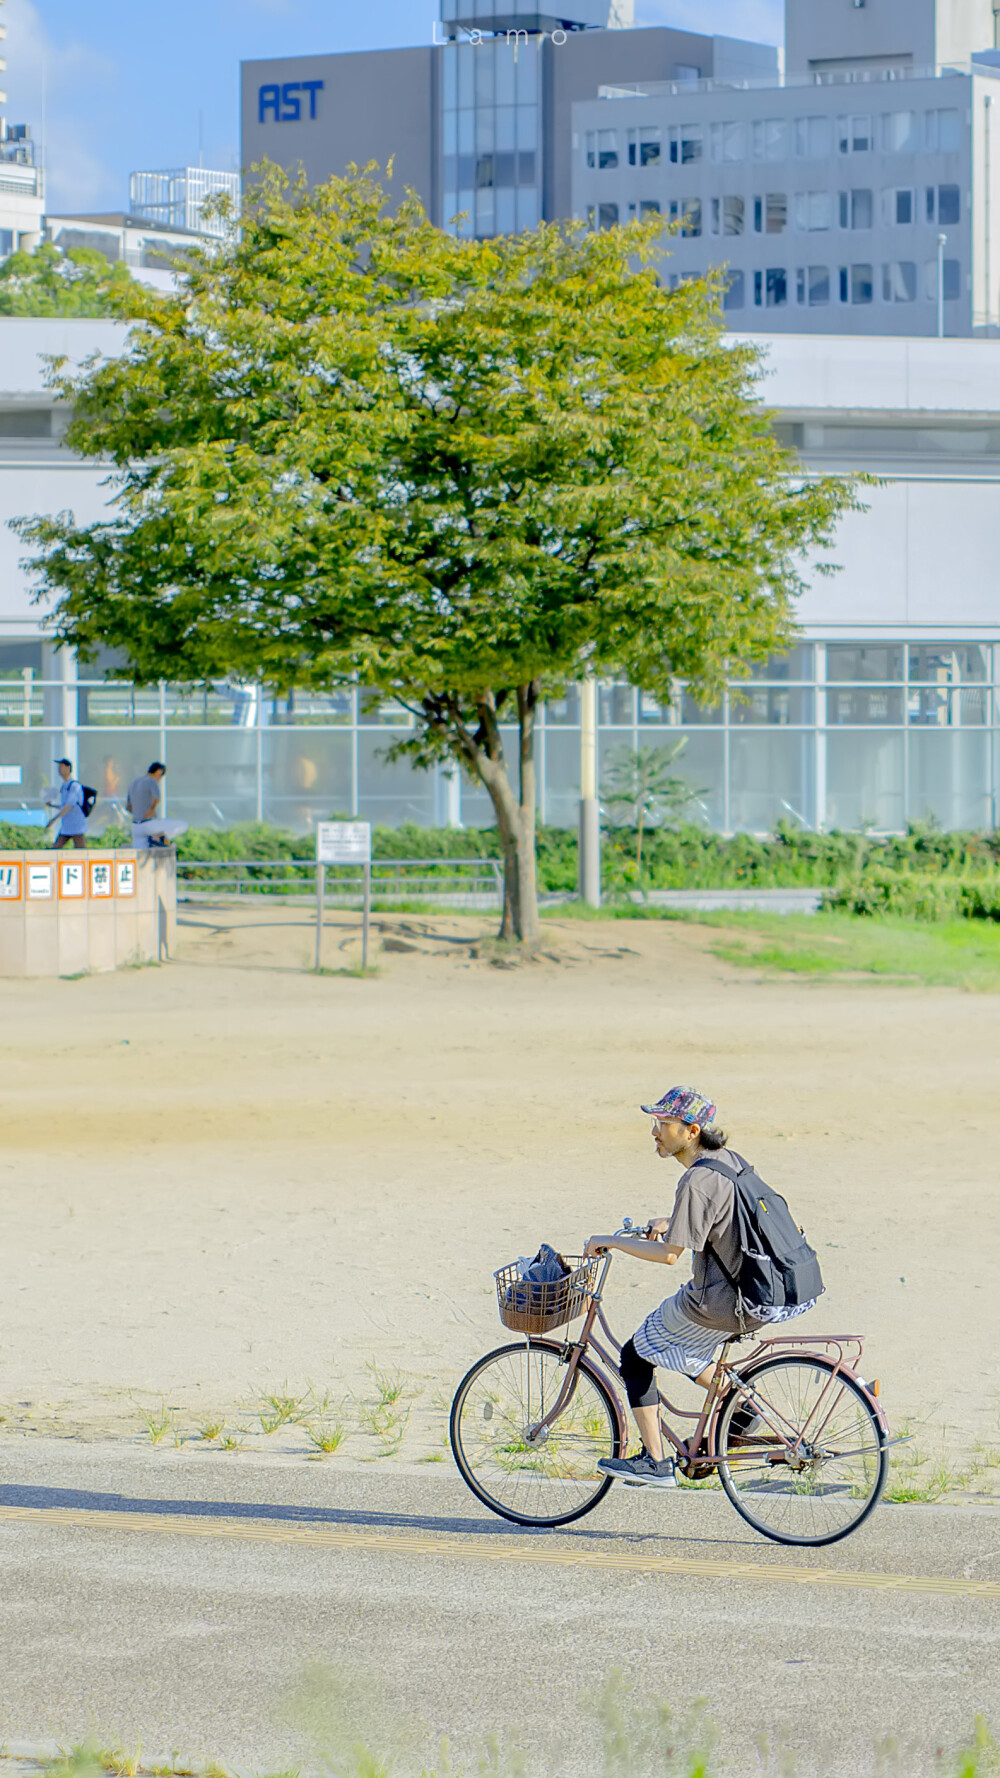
[
  {"x": 759, "y": 21},
  {"x": 54, "y": 87}
]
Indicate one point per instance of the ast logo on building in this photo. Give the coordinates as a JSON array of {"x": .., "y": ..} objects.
[{"x": 283, "y": 104}]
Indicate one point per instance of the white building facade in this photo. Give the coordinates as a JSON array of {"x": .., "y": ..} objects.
[
  {"x": 885, "y": 712},
  {"x": 177, "y": 199}
]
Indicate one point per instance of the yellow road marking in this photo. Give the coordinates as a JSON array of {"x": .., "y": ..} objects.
[{"x": 476, "y": 1549}]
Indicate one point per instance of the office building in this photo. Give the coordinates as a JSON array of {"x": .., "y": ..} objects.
[
  {"x": 177, "y": 199},
  {"x": 22, "y": 181},
  {"x": 854, "y": 191},
  {"x": 886, "y": 711}
]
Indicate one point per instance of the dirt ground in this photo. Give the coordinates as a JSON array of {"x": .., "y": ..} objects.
[{"x": 227, "y": 1177}]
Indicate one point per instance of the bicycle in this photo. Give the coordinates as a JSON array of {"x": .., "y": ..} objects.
[{"x": 530, "y": 1420}]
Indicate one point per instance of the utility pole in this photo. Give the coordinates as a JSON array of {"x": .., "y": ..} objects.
[{"x": 590, "y": 817}]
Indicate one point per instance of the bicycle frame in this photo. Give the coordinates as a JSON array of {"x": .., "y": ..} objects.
[{"x": 699, "y": 1453}]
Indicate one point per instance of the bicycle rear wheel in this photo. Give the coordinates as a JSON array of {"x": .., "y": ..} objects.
[
  {"x": 816, "y": 1467},
  {"x": 548, "y": 1482}
]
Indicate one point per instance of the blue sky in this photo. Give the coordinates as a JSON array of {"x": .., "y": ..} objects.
[{"x": 126, "y": 85}]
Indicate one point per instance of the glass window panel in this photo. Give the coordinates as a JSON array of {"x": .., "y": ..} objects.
[
  {"x": 526, "y": 77},
  {"x": 306, "y": 776},
  {"x": 565, "y": 709},
  {"x": 900, "y": 132},
  {"x": 694, "y": 714},
  {"x": 375, "y": 711},
  {"x": 32, "y": 750},
  {"x": 796, "y": 665},
  {"x": 950, "y": 779},
  {"x": 899, "y": 281},
  {"x": 862, "y": 284},
  {"x": 734, "y": 142},
  {"x": 527, "y": 127},
  {"x": 212, "y": 775},
  {"x": 813, "y": 210},
  {"x": 813, "y": 138},
  {"x": 607, "y": 216},
  {"x": 506, "y": 216},
  {"x": 770, "y": 780},
  {"x": 733, "y": 215},
  {"x": 862, "y": 209},
  {"x": 483, "y": 66},
  {"x": 692, "y": 143},
  {"x": 701, "y": 765},
  {"x": 649, "y": 147},
  {"x": 649, "y": 708},
  {"x": 562, "y": 776},
  {"x": 948, "y": 663},
  {"x": 449, "y": 81},
  {"x": 775, "y": 213},
  {"x": 691, "y": 217},
  {"x": 864, "y": 706},
  {"x": 391, "y": 791},
  {"x": 607, "y": 148},
  {"x": 864, "y": 782},
  {"x": 949, "y": 204},
  {"x": 771, "y": 706},
  {"x": 466, "y": 75},
  {"x": 952, "y": 280},
  {"x": 616, "y": 705},
  {"x": 735, "y": 292},
  {"x": 505, "y": 74},
  {"x": 864, "y": 661},
  {"x": 777, "y": 287}
]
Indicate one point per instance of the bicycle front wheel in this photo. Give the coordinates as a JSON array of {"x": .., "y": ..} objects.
[
  {"x": 814, "y": 1469},
  {"x": 553, "y": 1478}
]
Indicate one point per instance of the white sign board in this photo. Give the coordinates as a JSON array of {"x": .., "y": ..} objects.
[
  {"x": 41, "y": 882},
  {"x": 343, "y": 842},
  {"x": 10, "y": 774}
]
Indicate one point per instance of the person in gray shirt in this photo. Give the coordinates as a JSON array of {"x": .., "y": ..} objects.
[{"x": 143, "y": 801}]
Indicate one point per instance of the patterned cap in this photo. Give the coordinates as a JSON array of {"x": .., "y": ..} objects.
[{"x": 684, "y": 1103}]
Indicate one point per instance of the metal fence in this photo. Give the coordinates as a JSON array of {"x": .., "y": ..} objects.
[{"x": 448, "y": 882}]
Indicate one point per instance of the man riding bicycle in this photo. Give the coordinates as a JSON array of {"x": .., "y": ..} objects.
[{"x": 687, "y": 1329}]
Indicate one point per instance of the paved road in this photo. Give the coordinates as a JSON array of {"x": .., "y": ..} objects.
[{"x": 214, "y": 1605}]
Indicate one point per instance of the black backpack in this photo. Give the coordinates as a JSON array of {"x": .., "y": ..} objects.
[
  {"x": 778, "y": 1268},
  {"x": 89, "y": 798}
]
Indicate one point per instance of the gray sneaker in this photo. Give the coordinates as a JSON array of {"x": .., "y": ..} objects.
[{"x": 640, "y": 1472}]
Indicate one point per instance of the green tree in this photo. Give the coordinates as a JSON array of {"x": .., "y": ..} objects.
[
  {"x": 641, "y": 790},
  {"x": 45, "y": 282},
  {"x": 464, "y": 472}
]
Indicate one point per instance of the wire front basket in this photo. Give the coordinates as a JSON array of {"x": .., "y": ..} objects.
[{"x": 531, "y": 1308}]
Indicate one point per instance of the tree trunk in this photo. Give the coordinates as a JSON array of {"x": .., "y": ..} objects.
[{"x": 515, "y": 814}]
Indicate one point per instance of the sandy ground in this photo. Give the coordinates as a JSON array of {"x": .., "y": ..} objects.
[{"x": 228, "y": 1177}]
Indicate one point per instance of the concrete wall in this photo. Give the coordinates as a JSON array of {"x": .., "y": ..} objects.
[
  {"x": 374, "y": 105},
  {"x": 70, "y": 912},
  {"x": 821, "y": 33}
]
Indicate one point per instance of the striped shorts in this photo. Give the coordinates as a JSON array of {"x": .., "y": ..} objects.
[{"x": 671, "y": 1340}]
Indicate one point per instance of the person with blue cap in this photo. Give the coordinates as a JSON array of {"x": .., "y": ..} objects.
[{"x": 685, "y": 1332}]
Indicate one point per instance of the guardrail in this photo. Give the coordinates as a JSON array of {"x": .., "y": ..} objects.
[{"x": 463, "y": 882}]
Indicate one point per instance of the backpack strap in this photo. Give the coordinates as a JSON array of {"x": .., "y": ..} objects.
[{"x": 731, "y": 1173}]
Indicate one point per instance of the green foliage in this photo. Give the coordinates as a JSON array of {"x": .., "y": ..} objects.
[
  {"x": 465, "y": 472},
  {"x": 955, "y": 953},
  {"x": 641, "y": 791},
  {"x": 45, "y": 282}
]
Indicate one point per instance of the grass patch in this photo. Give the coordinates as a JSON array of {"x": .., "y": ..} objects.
[{"x": 954, "y": 953}]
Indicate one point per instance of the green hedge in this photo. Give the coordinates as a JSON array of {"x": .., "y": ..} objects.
[{"x": 918, "y": 896}]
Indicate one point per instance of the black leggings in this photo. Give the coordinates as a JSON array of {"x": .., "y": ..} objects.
[{"x": 639, "y": 1378}]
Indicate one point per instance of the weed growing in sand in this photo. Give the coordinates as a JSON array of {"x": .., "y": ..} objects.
[
  {"x": 911, "y": 1482},
  {"x": 233, "y": 1441},
  {"x": 327, "y": 1439},
  {"x": 385, "y": 1414},
  {"x": 211, "y": 1429},
  {"x": 87, "y": 1757},
  {"x": 157, "y": 1421},
  {"x": 282, "y": 1409}
]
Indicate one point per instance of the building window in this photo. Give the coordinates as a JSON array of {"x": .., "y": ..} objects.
[
  {"x": 899, "y": 206},
  {"x": 812, "y": 138},
  {"x": 734, "y": 296},
  {"x": 857, "y": 209},
  {"x": 728, "y": 216},
  {"x": 942, "y": 132},
  {"x": 900, "y": 132},
  {"x": 899, "y": 281},
  {"x": 727, "y": 142},
  {"x": 590, "y": 148},
  {"x": 857, "y": 284},
  {"x": 812, "y": 286},
  {"x": 644, "y": 148},
  {"x": 607, "y": 215},
  {"x": 775, "y": 287},
  {"x": 645, "y": 207},
  {"x": 770, "y": 139},
  {"x": 952, "y": 280},
  {"x": 770, "y": 214},
  {"x": 689, "y": 217},
  {"x": 854, "y": 135},
  {"x": 607, "y": 148},
  {"x": 687, "y": 142},
  {"x": 813, "y": 211},
  {"x": 943, "y": 203}
]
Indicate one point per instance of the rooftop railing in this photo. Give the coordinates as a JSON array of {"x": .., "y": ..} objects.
[{"x": 653, "y": 89}]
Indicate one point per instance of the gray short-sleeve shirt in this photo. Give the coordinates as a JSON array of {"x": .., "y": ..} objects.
[{"x": 703, "y": 1219}]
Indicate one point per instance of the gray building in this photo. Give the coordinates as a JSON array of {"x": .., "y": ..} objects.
[{"x": 480, "y": 120}]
